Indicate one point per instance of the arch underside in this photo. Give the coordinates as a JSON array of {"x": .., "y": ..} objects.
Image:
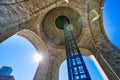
[{"x": 27, "y": 21}]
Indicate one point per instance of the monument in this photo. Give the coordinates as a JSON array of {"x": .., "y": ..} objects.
[{"x": 36, "y": 21}]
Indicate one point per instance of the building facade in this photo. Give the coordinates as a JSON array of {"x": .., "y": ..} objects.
[
  {"x": 6, "y": 70},
  {"x": 5, "y": 73},
  {"x": 5, "y": 77}
]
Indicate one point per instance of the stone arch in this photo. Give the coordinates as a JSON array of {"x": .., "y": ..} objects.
[
  {"x": 93, "y": 37},
  {"x": 85, "y": 52},
  {"x": 40, "y": 47},
  {"x": 44, "y": 30},
  {"x": 103, "y": 50},
  {"x": 95, "y": 41},
  {"x": 34, "y": 39}
]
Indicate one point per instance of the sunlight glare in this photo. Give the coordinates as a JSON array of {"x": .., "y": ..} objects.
[
  {"x": 38, "y": 57},
  {"x": 67, "y": 1}
]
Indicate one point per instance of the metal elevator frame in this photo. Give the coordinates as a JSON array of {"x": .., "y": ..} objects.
[{"x": 77, "y": 69}]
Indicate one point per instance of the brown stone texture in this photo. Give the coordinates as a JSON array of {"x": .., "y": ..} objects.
[{"x": 35, "y": 20}]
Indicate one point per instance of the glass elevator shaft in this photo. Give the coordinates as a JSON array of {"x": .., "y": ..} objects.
[{"x": 77, "y": 69}]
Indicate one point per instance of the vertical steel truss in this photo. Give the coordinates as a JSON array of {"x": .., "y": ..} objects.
[{"x": 76, "y": 67}]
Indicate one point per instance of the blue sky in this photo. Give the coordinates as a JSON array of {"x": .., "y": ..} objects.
[
  {"x": 17, "y": 52},
  {"x": 111, "y": 16},
  {"x": 94, "y": 74}
]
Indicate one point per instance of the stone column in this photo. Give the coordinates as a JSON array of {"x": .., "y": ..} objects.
[{"x": 108, "y": 59}]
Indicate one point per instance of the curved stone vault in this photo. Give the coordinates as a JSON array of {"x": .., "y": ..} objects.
[
  {"x": 35, "y": 20},
  {"x": 50, "y": 30}
]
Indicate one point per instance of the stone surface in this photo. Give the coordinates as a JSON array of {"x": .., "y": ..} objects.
[
  {"x": 50, "y": 30},
  {"x": 28, "y": 18}
]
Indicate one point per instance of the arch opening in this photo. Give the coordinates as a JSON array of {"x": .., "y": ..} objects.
[
  {"x": 18, "y": 53},
  {"x": 94, "y": 73},
  {"x": 111, "y": 21}
]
